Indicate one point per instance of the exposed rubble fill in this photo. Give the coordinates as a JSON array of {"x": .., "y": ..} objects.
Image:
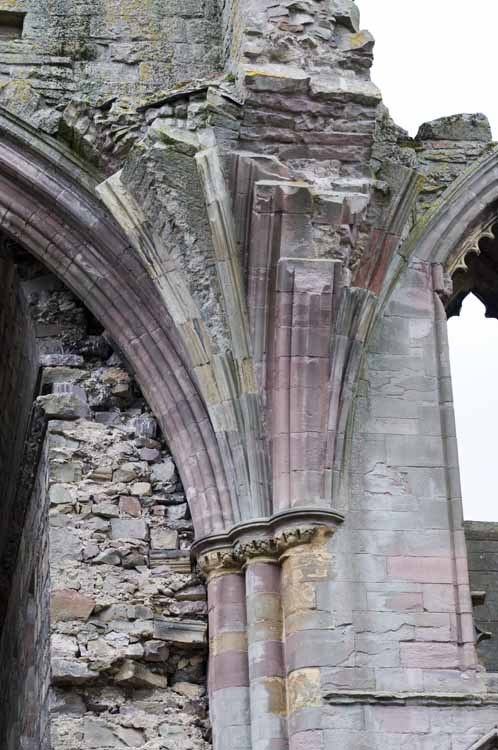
[{"x": 127, "y": 616}]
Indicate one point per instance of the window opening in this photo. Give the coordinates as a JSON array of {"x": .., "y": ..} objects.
[
  {"x": 11, "y": 25},
  {"x": 474, "y": 368},
  {"x": 473, "y": 339}
]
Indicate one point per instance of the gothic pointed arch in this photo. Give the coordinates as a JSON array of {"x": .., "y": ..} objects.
[
  {"x": 453, "y": 227},
  {"x": 48, "y": 203}
]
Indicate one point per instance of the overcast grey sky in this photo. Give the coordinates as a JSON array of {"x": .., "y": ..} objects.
[{"x": 435, "y": 58}]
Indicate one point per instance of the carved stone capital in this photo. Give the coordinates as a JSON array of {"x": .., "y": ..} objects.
[
  {"x": 218, "y": 562},
  {"x": 257, "y": 549},
  {"x": 298, "y": 536},
  {"x": 265, "y": 539}
]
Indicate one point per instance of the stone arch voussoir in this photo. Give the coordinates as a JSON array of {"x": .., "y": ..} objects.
[{"x": 48, "y": 203}]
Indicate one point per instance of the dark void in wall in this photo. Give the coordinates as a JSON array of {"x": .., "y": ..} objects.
[
  {"x": 18, "y": 377},
  {"x": 482, "y": 547},
  {"x": 11, "y": 25}
]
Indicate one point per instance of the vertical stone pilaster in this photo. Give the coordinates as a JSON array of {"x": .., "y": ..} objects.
[{"x": 228, "y": 658}]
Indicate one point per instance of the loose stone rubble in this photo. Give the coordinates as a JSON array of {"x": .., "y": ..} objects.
[{"x": 127, "y": 616}]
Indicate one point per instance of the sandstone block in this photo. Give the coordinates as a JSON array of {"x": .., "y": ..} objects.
[
  {"x": 107, "y": 557},
  {"x": 63, "y": 646},
  {"x": 461, "y": 127},
  {"x": 150, "y": 455},
  {"x": 70, "y": 605},
  {"x": 72, "y": 672},
  {"x": 105, "y": 510},
  {"x": 62, "y": 494},
  {"x": 141, "y": 489},
  {"x": 164, "y": 472},
  {"x": 128, "y": 472},
  {"x": 130, "y": 506},
  {"x": 184, "y": 634},
  {"x": 429, "y": 655},
  {"x": 156, "y": 651},
  {"x": 136, "y": 675},
  {"x": 64, "y": 406},
  {"x": 164, "y": 538},
  {"x": 128, "y": 529},
  {"x": 188, "y": 689},
  {"x": 178, "y": 512},
  {"x": 100, "y": 735},
  {"x": 101, "y": 474}
]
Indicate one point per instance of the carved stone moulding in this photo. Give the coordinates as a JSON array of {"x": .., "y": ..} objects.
[
  {"x": 471, "y": 244},
  {"x": 489, "y": 742},
  {"x": 268, "y": 539},
  {"x": 473, "y": 270}
]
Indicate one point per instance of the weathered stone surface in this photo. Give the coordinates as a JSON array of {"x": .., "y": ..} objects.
[
  {"x": 164, "y": 472},
  {"x": 466, "y": 127},
  {"x": 70, "y": 605},
  {"x": 63, "y": 406},
  {"x": 72, "y": 672},
  {"x": 124, "y": 529},
  {"x": 104, "y": 599},
  {"x": 164, "y": 539},
  {"x": 156, "y": 651},
  {"x": 135, "y": 675},
  {"x": 180, "y": 633},
  {"x": 254, "y": 278}
]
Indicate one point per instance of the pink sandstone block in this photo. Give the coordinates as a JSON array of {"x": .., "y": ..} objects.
[
  {"x": 263, "y": 578},
  {"x": 429, "y": 655},
  {"x": 421, "y": 569},
  {"x": 397, "y": 719},
  {"x": 266, "y": 659},
  {"x": 230, "y": 669},
  {"x": 439, "y": 597},
  {"x": 307, "y": 741}
]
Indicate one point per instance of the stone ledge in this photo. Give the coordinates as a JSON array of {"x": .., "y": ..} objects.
[
  {"x": 418, "y": 699},
  {"x": 182, "y": 633}
]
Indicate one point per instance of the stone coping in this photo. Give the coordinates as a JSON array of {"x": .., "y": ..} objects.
[{"x": 481, "y": 530}]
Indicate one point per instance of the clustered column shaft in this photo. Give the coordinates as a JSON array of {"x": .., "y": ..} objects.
[
  {"x": 228, "y": 663},
  {"x": 305, "y": 565},
  {"x": 263, "y": 606},
  {"x": 266, "y": 657}
]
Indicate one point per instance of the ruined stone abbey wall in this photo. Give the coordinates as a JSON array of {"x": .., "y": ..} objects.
[
  {"x": 238, "y": 269},
  {"x": 104, "y": 610},
  {"x": 109, "y": 49},
  {"x": 25, "y": 669}
]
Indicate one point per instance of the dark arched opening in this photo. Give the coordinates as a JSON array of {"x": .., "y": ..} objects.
[{"x": 95, "y": 510}]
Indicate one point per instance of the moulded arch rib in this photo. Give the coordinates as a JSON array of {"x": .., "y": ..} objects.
[
  {"x": 463, "y": 207},
  {"x": 489, "y": 742},
  {"x": 48, "y": 203}
]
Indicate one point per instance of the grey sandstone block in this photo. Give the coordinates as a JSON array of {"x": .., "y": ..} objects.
[{"x": 128, "y": 529}]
